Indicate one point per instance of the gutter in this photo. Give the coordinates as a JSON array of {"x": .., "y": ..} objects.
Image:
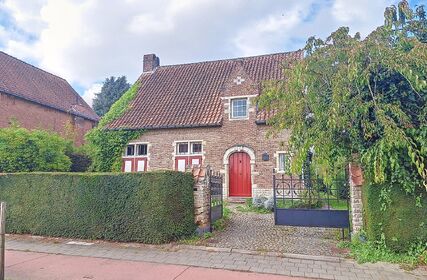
[{"x": 50, "y": 106}]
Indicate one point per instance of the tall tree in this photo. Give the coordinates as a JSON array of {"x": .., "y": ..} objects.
[
  {"x": 112, "y": 89},
  {"x": 363, "y": 100}
]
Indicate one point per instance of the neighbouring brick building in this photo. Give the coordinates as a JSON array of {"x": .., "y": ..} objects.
[
  {"x": 205, "y": 113},
  {"x": 36, "y": 99}
]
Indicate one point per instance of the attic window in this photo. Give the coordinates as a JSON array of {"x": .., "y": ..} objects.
[{"x": 239, "y": 108}]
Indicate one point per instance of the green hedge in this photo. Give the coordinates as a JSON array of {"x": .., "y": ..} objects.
[
  {"x": 153, "y": 207},
  {"x": 403, "y": 223}
]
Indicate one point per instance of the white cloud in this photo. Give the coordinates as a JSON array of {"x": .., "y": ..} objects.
[
  {"x": 90, "y": 93},
  {"x": 87, "y": 41}
]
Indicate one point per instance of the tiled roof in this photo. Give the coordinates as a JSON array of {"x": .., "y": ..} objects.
[
  {"x": 188, "y": 95},
  {"x": 25, "y": 81}
]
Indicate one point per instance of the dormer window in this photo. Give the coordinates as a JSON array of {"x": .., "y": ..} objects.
[{"x": 239, "y": 108}]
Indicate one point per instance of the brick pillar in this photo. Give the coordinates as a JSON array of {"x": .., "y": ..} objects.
[
  {"x": 356, "y": 183},
  {"x": 201, "y": 200}
]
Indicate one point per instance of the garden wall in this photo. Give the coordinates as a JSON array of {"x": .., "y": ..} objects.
[
  {"x": 402, "y": 223},
  {"x": 153, "y": 207}
]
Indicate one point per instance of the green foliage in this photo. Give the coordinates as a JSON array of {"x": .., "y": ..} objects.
[
  {"x": 22, "y": 150},
  {"x": 79, "y": 162},
  {"x": 368, "y": 251},
  {"x": 250, "y": 207},
  {"x": 359, "y": 100},
  {"x": 221, "y": 223},
  {"x": 402, "y": 224},
  {"x": 152, "y": 207},
  {"x": 112, "y": 89},
  {"x": 107, "y": 145}
]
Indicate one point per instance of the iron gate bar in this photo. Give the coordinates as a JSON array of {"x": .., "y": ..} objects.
[
  {"x": 215, "y": 196},
  {"x": 297, "y": 202}
]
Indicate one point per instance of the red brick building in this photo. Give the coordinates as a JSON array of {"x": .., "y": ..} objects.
[
  {"x": 36, "y": 99},
  {"x": 205, "y": 113}
]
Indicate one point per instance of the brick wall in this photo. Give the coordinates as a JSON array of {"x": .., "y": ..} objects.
[
  {"x": 356, "y": 184},
  {"x": 233, "y": 135},
  {"x": 34, "y": 116}
]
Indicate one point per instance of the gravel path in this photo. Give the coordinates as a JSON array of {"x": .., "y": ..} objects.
[{"x": 253, "y": 231}]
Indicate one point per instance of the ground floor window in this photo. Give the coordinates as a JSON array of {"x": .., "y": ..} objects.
[
  {"x": 283, "y": 162},
  {"x": 135, "y": 157},
  {"x": 188, "y": 154}
]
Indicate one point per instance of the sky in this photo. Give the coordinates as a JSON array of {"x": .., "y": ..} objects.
[{"x": 86, "y": 41}]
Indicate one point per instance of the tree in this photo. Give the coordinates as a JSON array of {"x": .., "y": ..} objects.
[
  {"x": 112, "y": 89},
  {"x": 360, "y": 100}
]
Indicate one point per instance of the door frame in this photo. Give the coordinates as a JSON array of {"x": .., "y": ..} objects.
[{"x": 226, "y": 162}]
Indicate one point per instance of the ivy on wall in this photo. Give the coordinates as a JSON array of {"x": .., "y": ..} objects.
[{"x": 106, "y": 145}]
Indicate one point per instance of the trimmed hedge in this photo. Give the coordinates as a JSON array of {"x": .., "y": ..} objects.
[
  {"x": 153, "y": 207},
  {"x": 403, "y": 223}
]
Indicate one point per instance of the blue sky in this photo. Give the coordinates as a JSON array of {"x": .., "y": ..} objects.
[{"x": 85, "y": 41}]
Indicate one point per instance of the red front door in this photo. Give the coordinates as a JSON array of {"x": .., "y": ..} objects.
[{"x": 240, "y": 175}]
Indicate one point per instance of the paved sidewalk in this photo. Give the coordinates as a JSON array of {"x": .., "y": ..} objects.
[
  {"x": 41, "y": 266},
  {"x": 303, "y": 266}
]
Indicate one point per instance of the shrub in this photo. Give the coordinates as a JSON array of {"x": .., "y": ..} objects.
[
  {"x": 152, "y": 207},
  {"x": 22, "y": 150},
  {"x": 258, "y": 202},
  {"x": 79, "y": 162},
  {"x": 403, "y": 222}
]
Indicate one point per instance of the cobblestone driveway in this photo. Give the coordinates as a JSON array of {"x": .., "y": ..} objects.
[{"x": 253, "y": 231}]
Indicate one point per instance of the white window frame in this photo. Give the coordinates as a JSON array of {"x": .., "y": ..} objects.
[
  {"x": 232, "y": 117},
  {"x": 189, "y": 147},
  {"x": 135, "y": 144},
  {"x": 286, "y": 168}
]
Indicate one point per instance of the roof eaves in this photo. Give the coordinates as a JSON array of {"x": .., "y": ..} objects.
[
  {"x": 168, "y": 126},
  {"x": 50, "y": 106}
]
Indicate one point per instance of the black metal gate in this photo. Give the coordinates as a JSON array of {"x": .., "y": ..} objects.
[
  {"x": 216, "y": 200},
  {"x": 310, "y": 202}
]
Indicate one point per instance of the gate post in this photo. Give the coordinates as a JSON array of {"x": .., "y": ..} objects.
[
  {"x": 201, "y": 200},
  {"x": 2, "y": 237},
  {"x": 356, "y": 183}
]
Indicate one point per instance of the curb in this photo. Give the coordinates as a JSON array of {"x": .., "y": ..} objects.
[{"x": 271, "y": 254}]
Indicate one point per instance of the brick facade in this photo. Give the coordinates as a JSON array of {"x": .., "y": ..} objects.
[
  {"x": 221, "y": 141},
  {"x": 31, "y": 115},
  {"x": 356, "y": 185}
]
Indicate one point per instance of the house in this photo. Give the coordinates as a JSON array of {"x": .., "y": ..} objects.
[
  {"x": 36, "y": 99},
  {"x": 205, "y": 114}
]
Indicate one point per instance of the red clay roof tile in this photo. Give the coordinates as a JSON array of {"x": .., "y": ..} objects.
[
  {"x": 188, "y": 95},
  {"x": 25, "y": 81}
]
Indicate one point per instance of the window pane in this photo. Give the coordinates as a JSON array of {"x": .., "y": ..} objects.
[
  {"x": 182, "y": 148},
  {"x": 196, "y": 147},
  {"x": 239, "y": 108},
  {"x": 141, "y": 150},
  {"x": 130, "y": 150},
  {"x": 282, "y": 162}
]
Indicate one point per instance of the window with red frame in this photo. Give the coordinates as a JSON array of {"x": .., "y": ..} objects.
[{"x": 188, "y": 154}]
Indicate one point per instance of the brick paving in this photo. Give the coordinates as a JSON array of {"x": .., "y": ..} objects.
[
  {"x": 304, "y": 266},
  {"x": 266, "y": 237}
]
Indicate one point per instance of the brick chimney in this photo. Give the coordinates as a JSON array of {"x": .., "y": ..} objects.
[{"x": 151, "y": 61}]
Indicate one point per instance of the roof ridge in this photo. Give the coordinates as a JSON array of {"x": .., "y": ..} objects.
[
  {"x": 38, "y": 68},
  {"x": 228, "y": 59}
]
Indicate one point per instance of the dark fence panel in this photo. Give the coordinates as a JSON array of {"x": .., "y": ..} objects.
[
  {"x": 216, "y": 199},
  {"x": 310, "y": 203}
]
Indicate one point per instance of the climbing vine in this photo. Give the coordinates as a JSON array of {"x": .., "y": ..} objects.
[
  {"x": 364, "y": 100},
  {"x": 107, "y": 145}
]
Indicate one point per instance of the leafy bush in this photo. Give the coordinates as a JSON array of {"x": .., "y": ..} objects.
[
  {"x": 152, "y": 207},
  {"x": 106, "y": 145},
  {"x": 398, "y": 218},
  {"x": 22, "y": 150},
  {"x": 79, "y": 162},
  {"x": 375, "y": 251}
]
